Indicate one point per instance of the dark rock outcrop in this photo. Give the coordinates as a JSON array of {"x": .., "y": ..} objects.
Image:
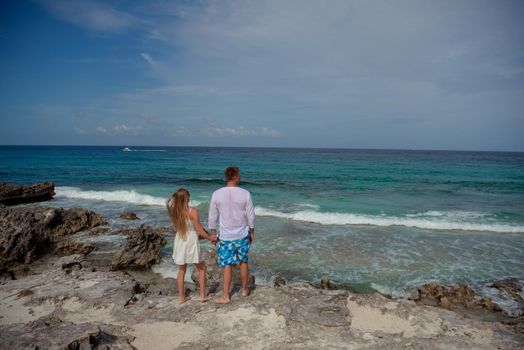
[
  {"x": 26, "y": 232},
  {"x": 141, "y": 249},
  {"x": 510, "y": 286},
  {"x": 279, "y": 281},
  {"x": 454, "y": 297},
  {"x": 14, "y": 194},
  {"x": 129, "y": 216},
  {"x": 70, "y": 247}
]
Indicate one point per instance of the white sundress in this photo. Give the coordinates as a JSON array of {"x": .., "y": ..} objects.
[{"x": 187, "y": 251}]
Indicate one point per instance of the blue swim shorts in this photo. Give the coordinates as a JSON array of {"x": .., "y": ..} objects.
[{"x": 233, "y": 252}]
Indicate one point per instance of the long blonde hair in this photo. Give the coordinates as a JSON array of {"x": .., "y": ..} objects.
[{"x": 178, "y": 209}]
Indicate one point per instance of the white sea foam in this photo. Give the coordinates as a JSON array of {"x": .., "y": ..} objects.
[
  {"x": 129, "y": 196},
  {"x": 431, "y": 220}
]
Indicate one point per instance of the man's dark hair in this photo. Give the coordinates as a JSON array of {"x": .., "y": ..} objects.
[{"x": 231, "y": 172}]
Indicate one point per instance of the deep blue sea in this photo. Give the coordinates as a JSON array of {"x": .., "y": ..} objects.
[{"x": 387, "y": 220}]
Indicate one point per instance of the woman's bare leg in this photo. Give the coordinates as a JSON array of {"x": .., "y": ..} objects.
[
  {"x": 180, "y": 282},
  {"x": 201, "y": 266}
]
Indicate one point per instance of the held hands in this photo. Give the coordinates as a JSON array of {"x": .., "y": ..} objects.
[{"x": 213, "y": 239}]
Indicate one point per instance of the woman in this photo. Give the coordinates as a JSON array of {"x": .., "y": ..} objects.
[{"x": 186, "y": 249}]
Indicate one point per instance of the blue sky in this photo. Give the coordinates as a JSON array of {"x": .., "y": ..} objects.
[{"x": 348, "y": 74}]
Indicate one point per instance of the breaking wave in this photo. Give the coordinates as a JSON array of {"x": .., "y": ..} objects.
[
  {"x": 434, "y": 220},
  {"x": 129, "y": 196}
]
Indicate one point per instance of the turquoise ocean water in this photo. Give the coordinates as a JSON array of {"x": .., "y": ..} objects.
[{"x": 388, "y": 220}]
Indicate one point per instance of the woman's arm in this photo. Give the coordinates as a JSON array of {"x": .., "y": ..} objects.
[{"x": 198, "y": 227}]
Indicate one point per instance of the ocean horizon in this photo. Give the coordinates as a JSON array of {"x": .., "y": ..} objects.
[
  {"x": 385, "y": 220},
  {"x": 273, "y": 147}
]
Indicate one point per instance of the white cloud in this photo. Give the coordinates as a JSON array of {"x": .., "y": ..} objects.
[
  {"x": 126, "y": 130},
  {"x": 79, "y": 130},
  {"x": 101, "y": 131},
  {"x": 121, "y": 129},
  {"x": 92, "y": 15},
  {"x": 181, "y": 131},
  {"x": 215, "y": 131},
  {"x": 149, "y": 60}
]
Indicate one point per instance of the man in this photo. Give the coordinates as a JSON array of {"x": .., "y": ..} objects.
[{"x": 232, "y": 207}]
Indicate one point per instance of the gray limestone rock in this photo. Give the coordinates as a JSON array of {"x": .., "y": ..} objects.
[
  {"x": 141, "y": 249},
  {"x": 27, "y": 232}
]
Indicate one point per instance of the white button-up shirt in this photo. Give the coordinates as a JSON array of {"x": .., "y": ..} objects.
[{"x": 232, "y": 208}]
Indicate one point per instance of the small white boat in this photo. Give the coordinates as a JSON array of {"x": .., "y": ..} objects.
[{"x": 126, "y": 149}]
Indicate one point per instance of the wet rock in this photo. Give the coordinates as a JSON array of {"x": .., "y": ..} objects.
[
  {"x": 326, "y": 283},
  {"x": 129, "y": 216},
  {"x": 214, "y": 273},
  {"x": 27, "y": 232},
  {"x": 511, "y": 286},
  {"x": 73, "y": 247},
  {"x": 279, "y": 281},
  {"x": 141, "y": 249},
  {"x": 14, "y": 194},
  {"x": 451, "y": 297}
]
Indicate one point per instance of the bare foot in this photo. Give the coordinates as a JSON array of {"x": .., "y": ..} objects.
[
  {"x": 183, "y": 300},
  {"x": 221, "y": 300},
  {"x": 245, "y": 292},
  {"x": 203, "y": 299}
]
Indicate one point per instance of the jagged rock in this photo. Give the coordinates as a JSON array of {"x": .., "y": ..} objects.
[
  {"x": 72, "y": 247},
  {"x": 511, "y": 286},
  {"x": 53, "y": 333},
  {"x": 450, "y": 297},
  {"x": 166, "y": 229},
  {"x": 279, "y": 281},
  {"x": 214, "y": 273},
  {"x": 27, "y": 232},
  {"x": 93, "y": 341},
  {"x": 141, "y": 249},
  {"x": 325, "y": 283},
  {"x": 14, "y": 194},
  {"x": 129, "y": 216}
]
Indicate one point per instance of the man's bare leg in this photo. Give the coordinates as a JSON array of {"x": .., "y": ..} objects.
[
  {"x": 224, "y": 299},
  {"x": 244, "y": 275}
]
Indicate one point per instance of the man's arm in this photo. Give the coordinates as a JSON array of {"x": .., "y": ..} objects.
[
  {"x": 250, "y": 213},
  {"x": 213, "y": 216}
]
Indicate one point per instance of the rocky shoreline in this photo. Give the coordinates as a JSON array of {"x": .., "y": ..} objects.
[{"x": 58, "y": 291}]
